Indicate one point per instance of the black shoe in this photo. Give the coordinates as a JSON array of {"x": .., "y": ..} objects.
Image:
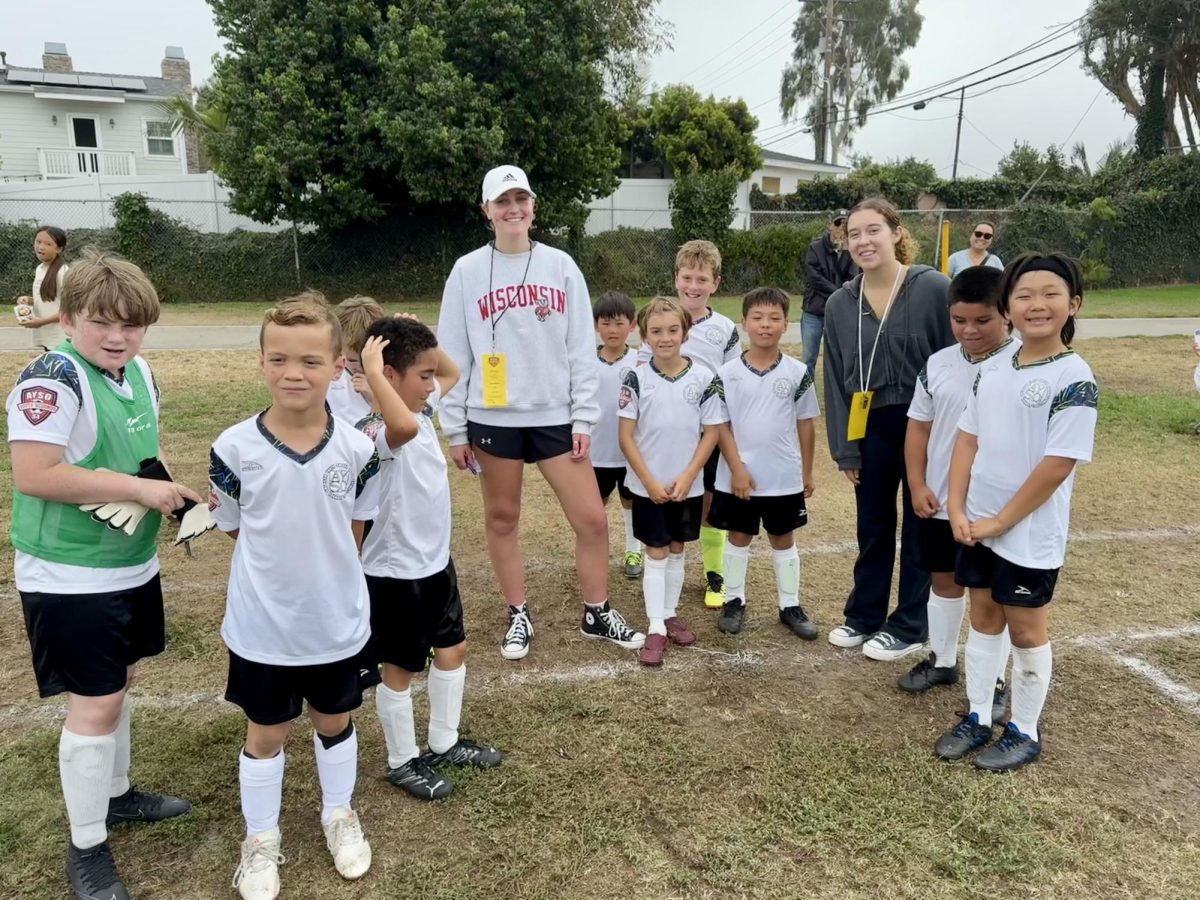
[
  {"x": 796, "y": 620},
  {"x": 139, "y": 806},
  {"x": 465, "y": 753},
  {"x": 1012, "y": 751},
  {"x": 606, "y": 624},
  {"x": 1000, "y": 700},
  {"x": 733, "y": 613},
  {"x": 964, "y": 737},
  {"x": 93, "y": 874},
  {"x": 927, "y": 674},
  {"x": 416, "y": 777}
]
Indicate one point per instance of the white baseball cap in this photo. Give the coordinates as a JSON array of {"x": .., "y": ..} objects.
[{"x": 505, "y": 178}]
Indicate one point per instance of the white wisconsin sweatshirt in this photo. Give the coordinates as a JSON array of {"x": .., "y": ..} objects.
[{"x": 541, "y": 320}]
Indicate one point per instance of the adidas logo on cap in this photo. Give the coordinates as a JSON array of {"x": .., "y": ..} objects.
[{"x": 509, "y": 177}]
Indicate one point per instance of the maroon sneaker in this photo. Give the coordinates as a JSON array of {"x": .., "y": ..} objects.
[
  {"x": 651, "y": 653},
  {"x": 678, "y": 631}
]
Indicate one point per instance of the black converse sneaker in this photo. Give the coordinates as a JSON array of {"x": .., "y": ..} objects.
[
  {"x": 416, "y": 777},
  {"x": 139, "y": 806},
  {"x": 465, "y": 753},
  {"x": 520, "y": 633},
  {"x": 606, "y": 624},
  {"x": 93, "y": 874},
  {"x": 927, "y": 674}
]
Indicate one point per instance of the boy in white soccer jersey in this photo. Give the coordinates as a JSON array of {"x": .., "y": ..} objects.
[
  {"x": 1030, "y": 419},
  {"x": 81, "y": 420},
  {"x": 939, "y": 397},
  {"x": 349, "y": 395},
  {"x": 415, "y": 604},
  {"x": 712, "y": 341},
  {"x": 765, "y": 473},
  {"x": 293, "y": 486},
  {"x": 669, "y": 409},
  {"x": 615, "y": 317}
]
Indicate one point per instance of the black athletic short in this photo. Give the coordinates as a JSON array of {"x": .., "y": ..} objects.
[
  {"x": 410, "y": 617},
  {"x": 777, "y": 515},
  {"x": 1011, "y": 585},
  {"x": 85, "y": 643},
  {"x": 272, "y": 695},
  {"x": 609, "y": 478},
  {"x": 710, "y": 471},
  {"x": 531, "y": 443},
  {"x": 661, "y": 524},
  {"x": 937, "y": 551}
]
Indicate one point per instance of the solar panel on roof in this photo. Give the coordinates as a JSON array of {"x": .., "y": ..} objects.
[
  {"x": 100, "y": 81},
  {"x": 128, "y": 84},
  {"x": 24, "y": 76},
  {"x": 63, "y": 78}
]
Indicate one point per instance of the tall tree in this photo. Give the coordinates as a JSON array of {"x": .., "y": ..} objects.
[
  {"x": 693, "y": 133},
  {"x": 865, "y": 65}
]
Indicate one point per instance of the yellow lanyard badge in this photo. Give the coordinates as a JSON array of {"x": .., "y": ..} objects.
[
  {"x": 495, "y": 380},
  {"x": 860, "y": 402}
]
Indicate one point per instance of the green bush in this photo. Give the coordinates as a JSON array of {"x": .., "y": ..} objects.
[{"x": 772, "y": 255}]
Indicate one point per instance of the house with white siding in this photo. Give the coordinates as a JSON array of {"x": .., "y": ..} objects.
[{"x": 56, "y": 122}]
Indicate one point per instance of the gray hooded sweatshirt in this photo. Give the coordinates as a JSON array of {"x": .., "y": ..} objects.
[{"x": 917, "y": 326}]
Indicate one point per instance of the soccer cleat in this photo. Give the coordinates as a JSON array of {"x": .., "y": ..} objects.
[
  {"x": 714, "y": 590},
  {"x": 606, "y": 624},
  {"x": 964, "y": 737},
  {"x": 678, "y": 631},
  {"x": 463, "y": 754},
  {"x": 257, "y": 875},
  {"x": 1012, "y": 751},
  {"x": 139, "y": 806},
  {"x": 634, "y": 566},
  {"x": 927, "y": 674},
  {"x": 733, "y": 614},
  {"x": 93, "y": 874},
  {"x": 416, "y": 777},
  {"x": 846, "y": 636},
  {"x": 887, "y": 647},
  {"x": 347, "y": 845},
  {"x": 651, "y": 653},
  {"x": 519, "y": 635},
  {"x": 1000, "y": 699},
  {"x": 796, "y": 620}
]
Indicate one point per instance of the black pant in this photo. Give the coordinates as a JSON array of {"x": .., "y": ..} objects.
[{"x": 875, "y": 498}]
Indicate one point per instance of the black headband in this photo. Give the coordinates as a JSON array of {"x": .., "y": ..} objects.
[{"x": 1050, "y": 264}]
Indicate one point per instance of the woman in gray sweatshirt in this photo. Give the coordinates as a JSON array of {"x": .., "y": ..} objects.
[{"x": 880, "y": 329}]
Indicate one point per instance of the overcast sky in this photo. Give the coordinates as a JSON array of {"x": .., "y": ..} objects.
[{"x": 735, "y": 48}]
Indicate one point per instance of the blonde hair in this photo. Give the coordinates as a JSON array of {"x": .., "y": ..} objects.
[
  {"x": 698, "y": 254},
  {"x": 105, "y": 284},
  {"x": 306, "y": 308},
  {"x": 355, "y": 315},
  {"x": 906, "y": 247},
  {"x": 659, "y": 306}
]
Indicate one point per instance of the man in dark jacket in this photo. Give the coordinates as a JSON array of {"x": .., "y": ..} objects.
[{"x": 827, "y": 266}]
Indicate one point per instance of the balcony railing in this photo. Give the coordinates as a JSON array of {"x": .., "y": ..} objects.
[{"x": 73, "y": 162}]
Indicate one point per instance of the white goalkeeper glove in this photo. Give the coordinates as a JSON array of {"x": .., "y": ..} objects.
[
  {"x": 119, "y": 515},
  {"x": 194, "y": 520}
]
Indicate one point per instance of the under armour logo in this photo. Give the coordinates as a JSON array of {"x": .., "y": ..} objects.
[{"x": 483, "y": 441}]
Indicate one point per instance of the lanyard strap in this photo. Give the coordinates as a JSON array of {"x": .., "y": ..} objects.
[
  {"x": 492, "y": 317},
  {"x": 865, "y": 378}
]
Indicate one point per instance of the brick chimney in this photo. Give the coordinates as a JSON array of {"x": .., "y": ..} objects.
[
  {"x": 55, "y": 59},
  {"x": 175, "y": 67}
]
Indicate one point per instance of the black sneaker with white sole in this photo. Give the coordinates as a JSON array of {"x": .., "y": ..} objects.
[
  {"x": 606, "y": 624},
  {"x": 519, "y": 635},
  {"x": 733, "y": 614},
  {"x": 796, "y": 620},
  {"x": 93, "y": 874},
  {"x": 927, "y": 674},
  {"x": 140, "y": 806},
  {"x": 416, "y": 777},
  {"x": 463, "y": 754}
]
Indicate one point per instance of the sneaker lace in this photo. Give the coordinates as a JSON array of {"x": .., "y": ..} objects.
[
  {"x": 632, "y": 557},
  {"x": 964, "y": 727},
  {"x": 1010, "y": 739},
  {"x": 97, "y": 867},
  {"x": 518, "y": 629},
  {"x": 615, "y": 622},
  {"x": 923, "y": 666},
  {"x": 345, "y": 832},
  {"x": 262, "y": 853}
]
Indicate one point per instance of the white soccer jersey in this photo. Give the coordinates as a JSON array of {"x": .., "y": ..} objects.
[
  {"x": 712, "y": 341},
  {"x": 347, "y": 404},
  {"x": 670, "y": 414},
  {"x": 940, "y": 396},
  {"x": 297, "y": 595},
  {"x": 606, "y": 451},
  {"x": 1022, "y": 414},
  {"x": 763, "y": 408},
  {"x": 411, "y": 535},
  {"x": 52, "y": 404}
]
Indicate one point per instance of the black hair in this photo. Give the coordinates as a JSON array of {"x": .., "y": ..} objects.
[
  {"x": 407, "y": 339},
  {"x": 49, "y": 289},
  {"x": 976, "y": 284},
  {"x": 611, "y": 304},
  {"x": 766, "y": 296},
  {"x": 1061, "y": 265}
]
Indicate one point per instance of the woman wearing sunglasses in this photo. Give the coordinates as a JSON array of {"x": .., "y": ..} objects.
[{"x": 979, "y": 253}]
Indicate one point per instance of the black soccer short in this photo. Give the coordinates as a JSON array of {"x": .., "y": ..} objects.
[
  {"x": 937, "y": 551},
  {"x": 1011, "y": 585},
  {"x": 609, "y": 478},
  {"x": 272, "y": 695},
  {"x": 661, "y": 524},
  {"x": 85, "y": 643},
  {"x": 410, "y": 617},
  {"x": 777, "y": 515},
  {"x": 532, "y": 443},
  {"x": 710, "y": 471}
]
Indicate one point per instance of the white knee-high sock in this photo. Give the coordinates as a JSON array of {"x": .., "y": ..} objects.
[
  {"x": 1031, "y": 683},
  {"x": 674, "y": 583},
  {"x": 445, "y": 706},
  {"x": 337, "y": 770},
  {"x": 945, "y": 622},
  {"x": 123, "y": 755},
  {"x": 261, "y": 783},
  {"x": 654, "y": 591},
  {"x": 85, "y": 767},
  {"x": 632, "y": 544},
  {"x": 736, "y": 561},
  {"x": 787, "y": 576},
  {"x": 983, "y": 651},
  {"x": 395, "y": 710}
]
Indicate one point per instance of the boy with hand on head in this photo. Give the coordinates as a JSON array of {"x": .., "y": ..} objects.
[
  {"x": 765, "y": 473},
  {"x": 670, "y": 409},
  {"x": 415, "y": 604},
  {"x": 293, "y": 486},
  {"x": 615, "y": 317},
  {"x": 82, "y": 419},
  {"x": 349, "y": 395}
]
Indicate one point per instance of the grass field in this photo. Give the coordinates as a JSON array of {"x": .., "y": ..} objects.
[{"x": 751, "y": 766}]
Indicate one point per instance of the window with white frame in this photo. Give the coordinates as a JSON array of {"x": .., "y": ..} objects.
[{"x": 160, "y": 140}]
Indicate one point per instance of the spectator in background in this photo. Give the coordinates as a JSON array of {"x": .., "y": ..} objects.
[
  {"x": 827, "y": 267},
  {"x": 979, "y": 253}
]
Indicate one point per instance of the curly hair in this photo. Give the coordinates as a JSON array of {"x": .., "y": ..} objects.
[{"x": 407, "y": 339}]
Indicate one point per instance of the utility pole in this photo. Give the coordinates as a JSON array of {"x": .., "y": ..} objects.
[
  {"x": 962, "y": 93},
  {"x": 827, "y": 95}
]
